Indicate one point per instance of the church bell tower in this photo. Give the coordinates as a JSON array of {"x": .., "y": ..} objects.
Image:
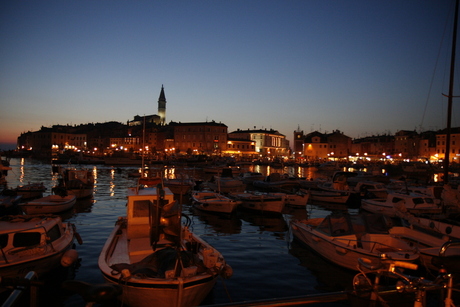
[{"x": 162, "y": 106}]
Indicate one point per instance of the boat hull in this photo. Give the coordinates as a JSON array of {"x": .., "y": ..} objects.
[
  {"x": 81, "y": 193},
  {"x": 214, "y": 202},
  {"x": 49, "y": 204},
  {"x": 264, "y": 203},
  {"x": 140, "y": 293}
]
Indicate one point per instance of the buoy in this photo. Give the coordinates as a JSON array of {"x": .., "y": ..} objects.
[
  {"x": 69, "y": 258},
  {"x": 227, "y": 271}
]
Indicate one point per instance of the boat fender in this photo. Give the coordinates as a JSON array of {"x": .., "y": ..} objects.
[
  {"x": 227, "y": 272},
  {"x": 69, "y": 258}
]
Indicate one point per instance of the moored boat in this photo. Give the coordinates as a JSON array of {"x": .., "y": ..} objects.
[
  {"x": 37, "y": 243},
  {"x": 181, "y": 185},
  {"x": 277, "y": 182},
  {"x": 154, "y": 258},
  {"x": 49, "y": 204},
  {"x": 410, "y": 202},
  {"x": 328, "y": 196},
  {"x": 78, "y": 182},
  {"x": 265, "y": 202},
  {"x": 344, "y": 238},
  {"x": 214, "y": 202},
  {"x": 30, "y": 190}
]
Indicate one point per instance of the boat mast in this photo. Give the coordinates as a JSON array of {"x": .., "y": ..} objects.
[{"x": 450, "y": 96}]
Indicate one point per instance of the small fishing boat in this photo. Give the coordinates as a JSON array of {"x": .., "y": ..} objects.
[
  {"x": 37, "y": 243},
  {"x": 265, "y": 202},
  {"x": 342, "y": 238},
  {"x": 78, "y": 182},
  {"x": 214, "y": 202},
  {"x": 30, "y": 190},
  {"x": 154, "y": 258},
  {"x": 49, "y": 204}
]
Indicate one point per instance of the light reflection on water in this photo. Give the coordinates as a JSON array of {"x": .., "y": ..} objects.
[{"x": 256, "y": 246}]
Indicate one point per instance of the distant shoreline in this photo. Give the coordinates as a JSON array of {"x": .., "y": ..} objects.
[{"x": 7, "y": 146}]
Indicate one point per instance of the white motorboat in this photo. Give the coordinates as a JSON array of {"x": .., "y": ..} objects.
[
  {"x": 265, "y": 202},
  {"x": 154, "y": 258},
  {"x": 343, "y": 238},
  {"x": 411, "y": 202},
  {"x": 39, "y": 243},
  {"x": 445, "y": 224},
  {"x": 214, "y": 202},
  {"x": 49, "y": 204}
]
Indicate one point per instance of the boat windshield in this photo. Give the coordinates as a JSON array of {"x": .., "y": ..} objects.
[{"x": 335, "y": 226}]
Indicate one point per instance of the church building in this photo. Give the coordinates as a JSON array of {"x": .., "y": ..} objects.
[{"x": 158, "y": 119}]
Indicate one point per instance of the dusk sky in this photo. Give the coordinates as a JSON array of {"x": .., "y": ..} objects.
[{"x": 362, "y": 67}]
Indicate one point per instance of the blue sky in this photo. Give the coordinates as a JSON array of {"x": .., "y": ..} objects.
[{"x": 363, "y": 67}]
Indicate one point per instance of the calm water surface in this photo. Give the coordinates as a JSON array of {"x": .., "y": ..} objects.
[{"x": 257, "y": 247}]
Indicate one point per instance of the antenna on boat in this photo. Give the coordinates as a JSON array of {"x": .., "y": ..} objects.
[{"x": 450, "y": 96}]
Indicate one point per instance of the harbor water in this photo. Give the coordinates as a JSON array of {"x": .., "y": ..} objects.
[{"x": 265, "y": 264}]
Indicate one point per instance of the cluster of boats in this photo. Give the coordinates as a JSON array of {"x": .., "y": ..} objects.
[
  {"x": 403, "y": 225},
  {"x": 149, "y": 258},
  {"x": 153, "y": 257},
  {"x": 33, "y": 237}
]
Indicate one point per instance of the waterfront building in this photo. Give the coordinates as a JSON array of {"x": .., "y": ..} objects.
[
  {"x": 268, "y": 143},
  {"x": 339, "y": 145},
  {"x": 196, "y": 138},
  {"x": 376, "y": 147},
  {"x": 242, "y": 148},
  {"x": 318, "y": 146},
  {"x": 427, "y": 146},
  {"x": 127, "y": 144},
  {"x": 441, "y": 136},
  {"x": 407, "y": 144},
  {"x": 315, "y": 146},
  {"x": 56, "y": 138}
]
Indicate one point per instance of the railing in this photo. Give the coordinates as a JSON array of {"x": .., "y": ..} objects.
[{"x": 29, "y": 282}]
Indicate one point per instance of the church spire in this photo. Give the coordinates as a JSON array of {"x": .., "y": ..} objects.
[{"x": 162, "y": 106}]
